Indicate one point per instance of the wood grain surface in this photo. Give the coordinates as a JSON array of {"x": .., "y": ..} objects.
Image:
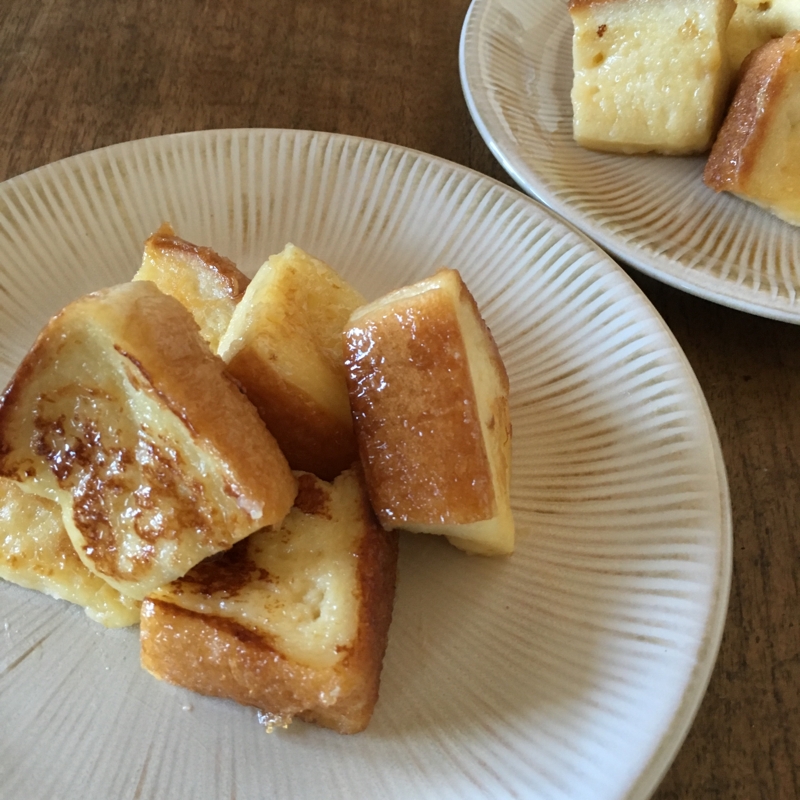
[{"x": 80, "y": 74}]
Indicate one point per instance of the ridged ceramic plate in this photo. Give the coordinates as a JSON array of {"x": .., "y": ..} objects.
[
  {"x": 652, "y": 212},
  {"x": 571, "y": 669}
]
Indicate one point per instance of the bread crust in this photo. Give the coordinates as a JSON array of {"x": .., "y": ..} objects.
[
  {"x": 741, "y": 138},
  {"x": 166, "y": 242},
  {"x": 312, "y": 438}
]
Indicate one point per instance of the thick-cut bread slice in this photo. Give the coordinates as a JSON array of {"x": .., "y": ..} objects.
[
  {"x": 755, "y": 22},
  {"x": 122, "y": 414},
  {"x": 36, "y": 552},
  {"x": 429, "y": 393},
  {"x": 649, "y": 75},
  {"x": 284, "y": 346},
  {"x": 293, "y": 622},
  {"x": 208, "y": 284},
  {"x": 757, "y": 152}
]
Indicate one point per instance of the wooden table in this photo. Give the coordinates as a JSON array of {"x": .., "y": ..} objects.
[{"x": 80, "y": 74}]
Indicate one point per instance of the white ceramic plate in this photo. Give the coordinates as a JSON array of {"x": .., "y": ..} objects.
[
  {"x": 571, "y": 669},
  {"x": 652, "y": 212}
]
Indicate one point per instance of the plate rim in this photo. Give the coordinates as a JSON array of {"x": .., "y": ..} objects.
[
  {"x": 654, "y": 265},
  {"x": 672, "y": 737}
]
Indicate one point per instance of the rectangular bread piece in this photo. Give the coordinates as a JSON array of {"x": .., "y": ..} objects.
[
  {"x": 36, "y": 552},
  {"x": 206, "y": 283},
  {"x": 757, "y": 152},
  {"x": 649, "y": 75},
  {"x": 284, "y": 346},
  {"x": 429, "y": 394},
  {"x": 294, "y": 622},
  {"x": 121, "y": 413}
]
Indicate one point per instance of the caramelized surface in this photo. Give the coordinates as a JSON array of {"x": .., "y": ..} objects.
[
  {"x": 293, "y": 621},
  {"x": 122, "y": 414},
  {"x": 429, "y": 395},
  {"x": 758, "y": 148},
  {"x": 36, "y": 552},
  {"x": 207, "y": 284}
]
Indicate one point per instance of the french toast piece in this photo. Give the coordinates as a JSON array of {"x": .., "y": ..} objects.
[
  {"x": 755, "y": 22},
  {"x": 649, "y": 75},
  {"x": 294, "y": 622},
  {"x": 36, "y": 552},
  {"x": 122, "y": 414},
  {"x": 284, "y": 346},
  {"x": 757, "y": 151},
  {"x": 429, "y": 393},
  {"x": 208, "y": 284}
]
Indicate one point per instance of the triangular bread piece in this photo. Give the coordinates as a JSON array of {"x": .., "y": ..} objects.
[{"x": 122, "y": 414}]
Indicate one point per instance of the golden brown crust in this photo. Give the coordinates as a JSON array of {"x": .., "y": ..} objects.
[
  {"x": 735, "y": 151},
  {"x": 223, "y": 657},
  {"x": 311, "y": 437},
  {"x": 195, "y": 384},
  {"x": 415, "y": 412},
  {"x": 165, "y": 241}
]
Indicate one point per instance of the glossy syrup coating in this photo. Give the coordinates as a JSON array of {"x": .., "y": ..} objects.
[{"x": 415, "y": 409}]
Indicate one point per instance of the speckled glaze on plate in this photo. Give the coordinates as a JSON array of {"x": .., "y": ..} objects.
[
  {"x": 571, "y": 669},
  {"x": 652, "y": 212}
]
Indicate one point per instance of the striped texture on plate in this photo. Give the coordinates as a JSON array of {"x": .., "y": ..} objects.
[
  {"x": 654, "y": 212},
  {"x": 570, "y": 669}
]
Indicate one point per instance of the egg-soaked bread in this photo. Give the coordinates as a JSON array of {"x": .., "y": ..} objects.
[
  {"x": 757, "y": 152},
  {"x": 649, "y": 75},
  {"x": 284, "y": 346},
  {"x": 429, "y": 393},
  {"x": 122, "y": 414},
  {"x": 205, "y": 282},
  {"x": 294, "y": 621},
  {"x": 755, "y": 22},
  {"x": 36, "y": 552}
]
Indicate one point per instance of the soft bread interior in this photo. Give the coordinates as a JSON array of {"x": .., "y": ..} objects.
[
  {"x": 649, "y": 75},
  {"x": 297, "y": 587},
  {"x": 284, "y": 347},
  {"x": 755, "y": 22}
]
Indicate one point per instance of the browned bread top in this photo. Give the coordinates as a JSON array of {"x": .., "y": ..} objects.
[
  {"x": 429, "y": 394},
  {"x": 206, "y": 283},
  {"x": 416, "y": 413},
  {"x": 121, "y": 413},
  {"x": 36, "y": 552}
]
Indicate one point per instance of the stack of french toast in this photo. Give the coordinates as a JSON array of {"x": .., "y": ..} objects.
[{"x": 228, "y": 462}]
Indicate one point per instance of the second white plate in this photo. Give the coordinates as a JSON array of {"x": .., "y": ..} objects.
[{"x": 652, "y": 212}]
